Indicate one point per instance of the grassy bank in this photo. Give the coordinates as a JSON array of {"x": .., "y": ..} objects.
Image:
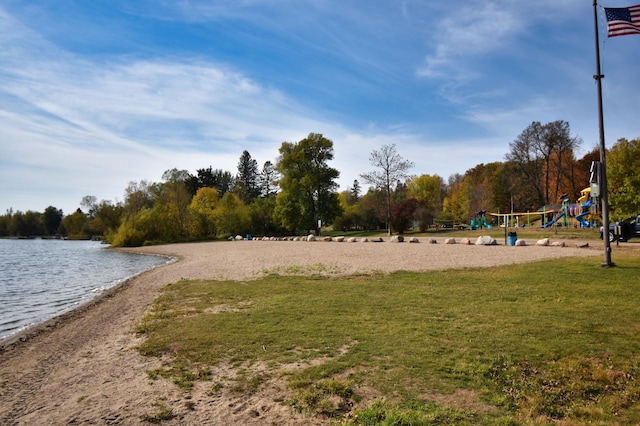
[{"x": 552, "y": 341}]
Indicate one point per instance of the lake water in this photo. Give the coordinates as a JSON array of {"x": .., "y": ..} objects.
[{"x": 40, "y": 279}]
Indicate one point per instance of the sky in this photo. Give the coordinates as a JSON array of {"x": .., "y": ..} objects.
[{"x": 97, "y": 94}]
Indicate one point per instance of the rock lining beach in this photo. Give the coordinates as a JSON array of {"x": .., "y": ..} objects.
[{"x": 82, "y": 367}]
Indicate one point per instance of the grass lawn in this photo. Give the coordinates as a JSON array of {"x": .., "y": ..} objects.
[{"x": 555, "y": 341}]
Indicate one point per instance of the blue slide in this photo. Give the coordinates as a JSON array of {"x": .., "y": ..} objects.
[
  {"x": 583, "y": 222},
  {"x": 555, "y": 219}
]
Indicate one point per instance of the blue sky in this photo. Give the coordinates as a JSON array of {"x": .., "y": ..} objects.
[{"x": 95, "y": 94}]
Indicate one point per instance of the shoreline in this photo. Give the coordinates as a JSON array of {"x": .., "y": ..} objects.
[
  {"x": 47, "y": 323},
  {"x": 82, "y": 366}
]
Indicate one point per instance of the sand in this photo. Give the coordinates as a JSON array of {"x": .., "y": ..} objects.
[{"x": 82, "y": 368}]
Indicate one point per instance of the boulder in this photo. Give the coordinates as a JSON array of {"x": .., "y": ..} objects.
[
  {"x": 397, "y": 239},
  {"x": 465, "y": 241},
  {"x": 432, "y": 241},
  {"x": 339, "y": 239},
  {"x": 297, "y": 239},
  {"x": 521, "y": 243},
  {"x": 364, "y": 240},
  {"x": 311, "y": 237},
  {"x": 352, "y": 239},
  {"x": 582, "y": 245},
  {"x": 450, "y": 241},
  {"x": 543, "y": 242},
  {"x": 239, "y": 238},
  {"x": 414, "y": 240},
  {"x": 557, "y": 244},
  {"x": 486, "y": 240},
  {"x": 377, "y": 240},
  {"x": 327, "y": 239}
]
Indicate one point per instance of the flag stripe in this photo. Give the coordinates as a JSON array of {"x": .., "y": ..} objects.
[{"x": 623, "y": 20}]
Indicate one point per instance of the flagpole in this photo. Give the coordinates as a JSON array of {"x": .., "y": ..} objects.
[{"x": 604, "y": 199}]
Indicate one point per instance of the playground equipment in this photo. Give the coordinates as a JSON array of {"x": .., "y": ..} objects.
[
  {"x": 479, "y": 221},
  {"x": 584, "y": 211}
]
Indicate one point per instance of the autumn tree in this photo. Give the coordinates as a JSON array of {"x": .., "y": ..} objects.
[
  {"x": 391, "y": 168},
  {"x": 202, "y": 213},
  {"x": 544, "y": 154},
  {"x": 429, "y": 193}
]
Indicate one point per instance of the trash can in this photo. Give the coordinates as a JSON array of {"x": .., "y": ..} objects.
[
  {"x": 512, "y": 237},
  {"x": 249, "y": 237}
]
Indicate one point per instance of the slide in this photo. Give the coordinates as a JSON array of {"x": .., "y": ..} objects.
[
  {"x": 583, "y": 222},
  {"x": 555, "y": 219}
]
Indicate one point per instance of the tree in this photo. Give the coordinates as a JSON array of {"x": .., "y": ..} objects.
[
  {"x": 208, "y": 178},
  {"x": 138, "y": 196},
  {"x": 544, "y": 154},
  {"x": 392, "y": 168},
  {"x": 26, "y": 224},
  {"x": 262, "y": 217},
  {"x": 308, "y": 184},
  {"x": 623, "y": 177},
  {"x": 75, "y": 224},
  {"x": 90, "y": 204},
  {"x": 429, "y": 192},
  {"x": 268, "y": 180},
  {"x": 202, "y": 213},
  {"x": 51, "y": 220},
  {"x": 403, "y": 214},
  {"x": 172, "y": 204},
  {"x": 354, "y": 193},
  {"x": 247, "y": 178},
  {"x": 232, "y": 216}
]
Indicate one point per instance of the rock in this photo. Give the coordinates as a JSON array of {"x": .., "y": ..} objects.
[
  {"x": 557, "y": 244},
  {"x": 351, "y": 240},
  {"x": 297, "y": 239},
  {"x": 450, "y": 241},
  {"x": 239, "y": 238},
  {"x": 543, "y": 242},
  {"x": 465, "y": 241},
  {"x": 582, "y": 245},
  {"x": 327, "y": 239},
  {"x": 339, "y": 239},
  {"x": 486, "y": 240},
  {"x": 364, "y": 240},
  {"x": 432, "y": 241},
  {"x": 521, "y": 243},
  {"x": 311, "y": 237},
  {"x": 377, "y": 240},
  {"x": 397, "y": 239},
  {"x": 414, "y": 240}
]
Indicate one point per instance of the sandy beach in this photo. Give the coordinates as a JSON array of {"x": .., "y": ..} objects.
[{"x": 82, "y": 368}]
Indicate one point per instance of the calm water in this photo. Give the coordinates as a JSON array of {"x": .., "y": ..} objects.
[{"x": 40, "y": 279}]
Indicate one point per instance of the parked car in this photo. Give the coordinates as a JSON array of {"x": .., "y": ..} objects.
[{"x": 624, "y": 230}]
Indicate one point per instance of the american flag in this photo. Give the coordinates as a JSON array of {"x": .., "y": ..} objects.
[{"x": 623, "y": 20}]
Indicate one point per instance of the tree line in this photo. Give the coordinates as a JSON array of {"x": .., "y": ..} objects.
[{"x": 298, "y": 194}]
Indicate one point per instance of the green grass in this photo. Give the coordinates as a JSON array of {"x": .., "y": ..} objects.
[{"x": 549, "y": 341}]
